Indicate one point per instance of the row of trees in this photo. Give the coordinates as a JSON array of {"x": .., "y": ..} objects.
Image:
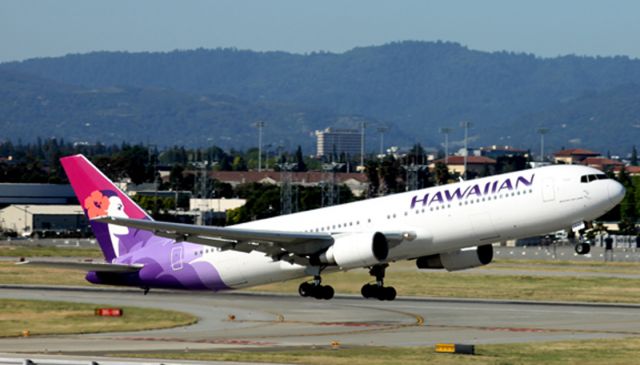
[{"x": 39, "y": 162}]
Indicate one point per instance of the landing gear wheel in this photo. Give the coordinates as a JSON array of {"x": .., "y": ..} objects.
[
  {"x": 389, "y": 293},
  {"x": 305, "y": 289},
  {"x": 327, "y": 292},
  {"x": 378, "y": 290},
  {"x": 367, "y": 290},
  {"x": 583, "y": 248}
]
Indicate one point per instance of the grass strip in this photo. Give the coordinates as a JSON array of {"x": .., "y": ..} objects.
[
  {"x": 464, "y": 285},
  {"x": 49, "y": 251},
  {"x": 10, "y": 273},
  {"x": 590, "y": 352},
  {"x": 54, "y": 317}
]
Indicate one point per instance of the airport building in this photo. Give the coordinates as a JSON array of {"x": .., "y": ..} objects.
[
  {"x": 11, "y": 193},
  {"x": 26, "y": 219},
  {"x": 338, "y": 141}
]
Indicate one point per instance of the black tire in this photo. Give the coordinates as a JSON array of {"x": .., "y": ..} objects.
[
  {"x": 582, "y": 248},
  {"x": 327, "y": 292},
  {"x": 305, "y": 289},
  {"x": 389, "y": 293},
  {"x": 366, "y": 291}
]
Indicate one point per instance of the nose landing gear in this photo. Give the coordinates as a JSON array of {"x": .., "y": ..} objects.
[
  {"x": 583, "y": 248},
  {"x": 378, "y": 290}
]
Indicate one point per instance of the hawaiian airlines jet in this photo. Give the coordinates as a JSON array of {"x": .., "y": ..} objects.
[{"x": 447, "y": 227}]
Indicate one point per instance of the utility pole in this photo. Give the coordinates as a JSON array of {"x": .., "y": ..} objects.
[
  {"x": 154, "y": 160},
  {"x": 259, "y": 124},
  {"x": 466, "y": 126},
  {"x": 330, "y": 186},
  {"x": 542, "y": 132},
  {"x": 446, "y": 132},
  {"x": 286, "y": 203}
]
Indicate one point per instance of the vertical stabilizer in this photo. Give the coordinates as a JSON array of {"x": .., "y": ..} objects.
[{"x": 98, "y": 196}]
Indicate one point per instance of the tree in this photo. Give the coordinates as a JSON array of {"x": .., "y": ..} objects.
[
  {"x": 300, "y": 165},
  {"x": 238, "y": 164},
  {"x": 634, "y": 156},
  {"x": 442, "y": 173}
]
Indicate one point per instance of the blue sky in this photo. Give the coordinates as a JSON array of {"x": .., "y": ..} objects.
[{"x": 30, "y": 28}]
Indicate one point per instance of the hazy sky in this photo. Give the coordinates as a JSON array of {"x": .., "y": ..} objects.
[{"x": 30, "y": 28}]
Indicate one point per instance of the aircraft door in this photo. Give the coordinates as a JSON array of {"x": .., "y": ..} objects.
[
  {"x": 548, "y": 192},
  {"x": 177, "y": 255}
]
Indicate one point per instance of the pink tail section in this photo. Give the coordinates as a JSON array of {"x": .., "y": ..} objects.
[{"x": 98, "y": 196}]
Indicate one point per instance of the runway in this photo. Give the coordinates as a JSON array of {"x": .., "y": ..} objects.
[{"x": 268, "y": 320}]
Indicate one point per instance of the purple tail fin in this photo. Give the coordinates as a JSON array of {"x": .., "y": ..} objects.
[{"x": 98, "y": 196}]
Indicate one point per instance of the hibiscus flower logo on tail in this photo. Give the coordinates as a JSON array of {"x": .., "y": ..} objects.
[{"x": 96, "y": 204}]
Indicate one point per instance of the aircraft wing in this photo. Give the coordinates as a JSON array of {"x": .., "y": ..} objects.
[
  {"x": 84, "y": 266},
  {"x": 295, "y": 247}
]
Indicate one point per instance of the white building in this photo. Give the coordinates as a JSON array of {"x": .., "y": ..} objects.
[
  {"x": 25, "y": 219},
  {"x": 339, "y": 141},
  {"x": 215, "y": 205}
]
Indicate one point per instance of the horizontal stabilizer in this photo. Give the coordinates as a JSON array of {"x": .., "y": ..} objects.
[{"x": 84, "y": 266}]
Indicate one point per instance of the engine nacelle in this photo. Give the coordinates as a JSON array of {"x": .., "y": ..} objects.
[
  {"x": 356, "y": 250},
  {"x": 457, "y": 260}
]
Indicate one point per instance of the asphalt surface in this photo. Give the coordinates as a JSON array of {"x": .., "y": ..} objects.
[{"x": 268, "y": 320}]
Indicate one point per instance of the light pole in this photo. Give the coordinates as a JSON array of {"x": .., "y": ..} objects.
[
  {"x": 542, "y": 132},
  {"x": 446, "y": 132},
  {"x": 466, "y": 126},
  {"x": 362, "y": 126},
  {"x": 381, "y": 130},
  {"x": 259, "y": 124}
]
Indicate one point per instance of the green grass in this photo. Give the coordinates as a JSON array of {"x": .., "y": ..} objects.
[
  {"x": 49, "y": 251},
  {"x": 10, "y": 273},
  {"x": 53, "y": 317},
  {"x": 592, "y": 352},
  {"x": 466, "y": 285}
]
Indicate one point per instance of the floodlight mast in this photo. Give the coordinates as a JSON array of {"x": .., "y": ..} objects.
[
  {"x": 466, "y": 125},
  {"x": 542, "y": 132}
]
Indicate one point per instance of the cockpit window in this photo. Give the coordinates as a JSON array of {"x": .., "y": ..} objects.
[{"x": 590, "y": 178}]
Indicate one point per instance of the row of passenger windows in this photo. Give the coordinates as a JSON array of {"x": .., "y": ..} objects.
[
  {"x": 424, "y": 210},
  {"x": 590, "y": 178}
]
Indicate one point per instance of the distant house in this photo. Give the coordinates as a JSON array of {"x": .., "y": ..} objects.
[
  {"x": 502, "y": 151},
  {"x": 631, "y": 170},
  {"x": 476, "y": 164},
  {"x": 602, "y": 163},
  {"x": 356, "y": 182},
  {"x": 573, "y": 156}
]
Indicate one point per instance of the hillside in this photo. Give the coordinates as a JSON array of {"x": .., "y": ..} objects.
[
  {"x": 416, "y": 87},
  {"x": 32, "y": 107}
]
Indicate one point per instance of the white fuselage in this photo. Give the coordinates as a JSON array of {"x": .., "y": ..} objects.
[{"x": 444, "y": 218}]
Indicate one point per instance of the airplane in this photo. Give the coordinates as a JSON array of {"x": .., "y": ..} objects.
[{"x": 448, "y": 227}]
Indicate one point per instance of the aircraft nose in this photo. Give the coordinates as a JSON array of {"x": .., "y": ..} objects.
[{"x": 616, "y": 192}]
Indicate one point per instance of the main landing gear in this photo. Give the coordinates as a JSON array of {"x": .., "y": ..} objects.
[
  {"x": 315, "y": 289},
  {"x": 378, "y": 290}
]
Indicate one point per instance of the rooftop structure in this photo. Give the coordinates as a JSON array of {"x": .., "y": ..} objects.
[
  {"x": 11, "y": 193},
  {"x": 573, "y": 155},
  {"x": 476, "y": 164}
]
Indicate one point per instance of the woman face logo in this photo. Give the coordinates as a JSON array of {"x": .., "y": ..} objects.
[{"x": 116, "y": 209}]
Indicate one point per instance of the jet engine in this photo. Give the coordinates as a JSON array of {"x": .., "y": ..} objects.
[
  {"x": 356, "y": 250},
  {"x": 457, "y": 260}
]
